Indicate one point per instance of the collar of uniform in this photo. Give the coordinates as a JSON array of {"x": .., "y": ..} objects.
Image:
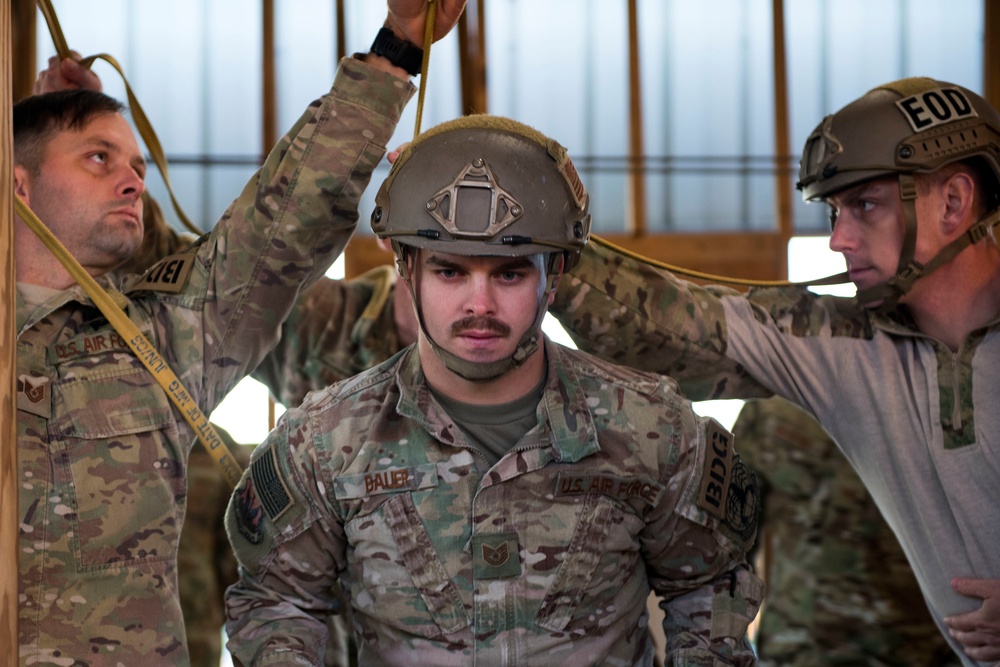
[
  {"x": 897, "y": 322},
  {"x": 28, "y": 316},
  {"x": 566, "y": 417}
]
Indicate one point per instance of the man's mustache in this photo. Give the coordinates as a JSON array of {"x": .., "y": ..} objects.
[{"x": 479, "y": 323}]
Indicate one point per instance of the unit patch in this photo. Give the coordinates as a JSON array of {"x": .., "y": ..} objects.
[
  {"x": 34, "y": 395},
  {"x": 495, "y": 556},
  {"x": 248, "y": 513},
  {"x": 934, "y": 107},
  {"x": 714, "y": 493},
  {"x": 170, "y": 274},
  {"x": 743, "y": 505}
]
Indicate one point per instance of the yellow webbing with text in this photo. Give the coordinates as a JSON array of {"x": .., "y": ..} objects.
[
  {"x": 138, "y": 115},
  {"x": 140, "y": 345}
]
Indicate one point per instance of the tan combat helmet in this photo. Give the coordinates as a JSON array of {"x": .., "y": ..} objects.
[
  {"x": 906, "y": 127},
  {"x": 484, "y": 186}
]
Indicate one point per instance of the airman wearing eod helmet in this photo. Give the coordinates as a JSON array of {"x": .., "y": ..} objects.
[
  {"x": 487, "y": 496},
  {"x": 918, "y": 133},
  {"x": 909, "y": 171}
]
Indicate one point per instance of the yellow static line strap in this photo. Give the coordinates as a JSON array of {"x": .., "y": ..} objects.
[
  {"x": 138, "y": 115},
  {"x": 836, "y": 279},
  {"x": 425, "y": 64},
  {"x": 140, "y": 345}
]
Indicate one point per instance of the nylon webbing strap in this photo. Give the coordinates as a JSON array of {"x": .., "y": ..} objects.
[
  {"x": 425, "y": 63},
  {"x": 142, "y": 123},
  {"x": 140, "y": 345},
  {"x": 836, "y": 279}
]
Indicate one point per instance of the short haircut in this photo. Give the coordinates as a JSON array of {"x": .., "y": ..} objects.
[{"x": 38, "y": 117}]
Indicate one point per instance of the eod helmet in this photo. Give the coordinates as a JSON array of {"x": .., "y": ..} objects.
[
  {"x": 484, "y": 185},
  {"x": 903, "y": 128}
]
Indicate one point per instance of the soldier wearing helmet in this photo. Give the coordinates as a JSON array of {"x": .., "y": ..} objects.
[
  {"x": 896, "y": 374},
  {"x": 487, "y": 496},
  {"x": 908, "y": 140}
]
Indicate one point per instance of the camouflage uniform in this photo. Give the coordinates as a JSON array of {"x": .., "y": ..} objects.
[
  {"x": 899, "y": 403},
  {"x": 102, "y": 451},
  {"x": 372, "y": 484},
  {"x": 337, "y": 329},
  {"x": 839, "y": 589}
]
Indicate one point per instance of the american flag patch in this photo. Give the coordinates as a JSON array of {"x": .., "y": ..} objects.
[{"x": 270, "y": 486}]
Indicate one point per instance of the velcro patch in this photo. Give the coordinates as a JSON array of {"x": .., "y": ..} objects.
[
  {"x": 386, "y": 480},
  {"x": 272, "y": 493},
  {"x": 619, "y": 488},
  {"x": 935, "y": 107},
  {"x": 743, "y": 506},
  {"x": 495, "y": 556},
  {"x": 170, "y": 274},
  {"x": 715, "y": 475},
  {"x": 34, "y": 395},
  {"x": 249, "y": 516}
]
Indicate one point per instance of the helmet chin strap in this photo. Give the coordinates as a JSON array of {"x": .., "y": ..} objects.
[
  {"x": 479, "y": 371},
  {"x": 909, "y": 269}
]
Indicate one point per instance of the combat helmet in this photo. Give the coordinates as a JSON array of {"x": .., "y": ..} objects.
[
  {"x": 484, "y": 185},
  {"x": 902, "y": 128}
]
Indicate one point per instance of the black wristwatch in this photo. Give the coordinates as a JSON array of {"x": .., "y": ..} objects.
[{"x": 399, "y": 52}]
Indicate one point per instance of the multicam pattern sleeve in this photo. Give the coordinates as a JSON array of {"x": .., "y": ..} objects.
[
  {"x": 102, "y": 452},
  {"x": 337, "y": 329}
]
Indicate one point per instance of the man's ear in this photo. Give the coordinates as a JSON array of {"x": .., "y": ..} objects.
[
  {"x": 22, "y": 183},
  {"x": 958, "y": 192}
]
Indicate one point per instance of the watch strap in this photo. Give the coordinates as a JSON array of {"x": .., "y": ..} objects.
[{"x": 399, "y": 52}]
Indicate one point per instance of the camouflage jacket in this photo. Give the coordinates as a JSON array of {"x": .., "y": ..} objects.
[
  {"x": 900, "y": 404},
  {"x": 102, "y": 450},
  {"x": 337, "y": 329},
  {"x": 546, "y": 559},
  {"x": 839, "y": 588}
]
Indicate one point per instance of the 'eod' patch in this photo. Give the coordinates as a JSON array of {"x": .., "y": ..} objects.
[{"x": 934, "y": 107}]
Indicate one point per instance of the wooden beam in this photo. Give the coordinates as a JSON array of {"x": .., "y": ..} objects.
[
  {"x": 9, "y": 520},
  {"x": 269, "y": 118},
  {"x": 635, "y": 218},
  {"x": 341, "y": 33},
  {"x": 783, "y": 189},
  {"x": 991, "y": 52},
  {"x": 24, "y": 16},
  {"x": 472, "y": 58}
]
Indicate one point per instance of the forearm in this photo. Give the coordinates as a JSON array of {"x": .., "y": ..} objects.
[
  {"x": 708, "y": 626},
  {"x": 296, "y": 215}
]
